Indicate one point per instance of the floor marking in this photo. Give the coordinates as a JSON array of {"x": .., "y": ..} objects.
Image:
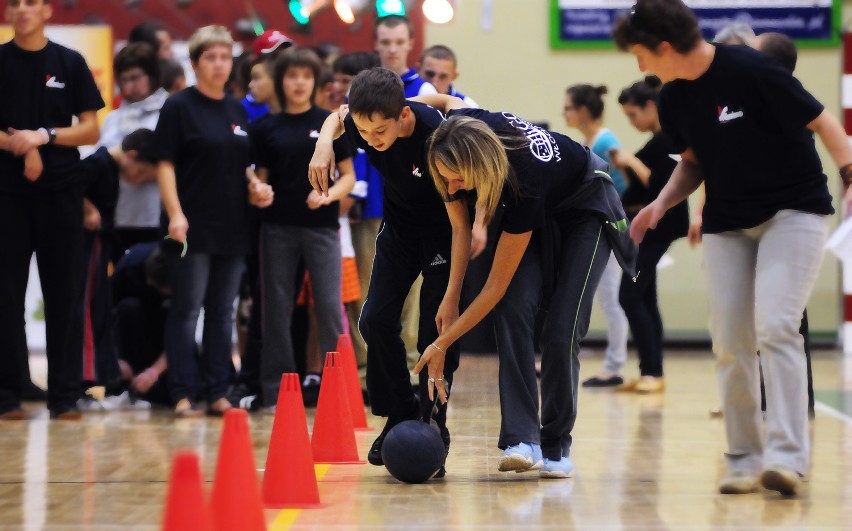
[
  {"x": 287, "y": 517},
  {"x": 831, "y": 412}
]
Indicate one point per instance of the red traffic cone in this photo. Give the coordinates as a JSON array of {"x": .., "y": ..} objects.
[
  {"x": 333, "y": 440},
  {"x": 353, "y": 382},
  {"x": 186, "y": 508},
  {"x": 290, "y": 479},
  {"x": 235, "y": 502}
]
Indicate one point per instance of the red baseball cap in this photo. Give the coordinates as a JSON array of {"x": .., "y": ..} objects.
[{"x": 269, "y": 41}]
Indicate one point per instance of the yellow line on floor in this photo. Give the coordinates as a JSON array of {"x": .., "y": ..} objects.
[{"x": 287, "y": 517}]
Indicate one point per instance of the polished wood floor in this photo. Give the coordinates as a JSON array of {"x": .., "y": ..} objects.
[{"x": 643, "y": 462}]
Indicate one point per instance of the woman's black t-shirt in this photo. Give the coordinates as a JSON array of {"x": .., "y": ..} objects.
[
  {"x": 548, "y": 166},
  {"x": 284, "y": 144},
  {"x": 45, "y": 88},
  {"x": 745, "y": 119},
  {"x": 207, "y": 141}
]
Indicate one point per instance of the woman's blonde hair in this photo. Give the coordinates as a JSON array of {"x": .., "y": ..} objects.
[
  {"x": 207, "y": 37},
  {"x": 468, "y": 147}
]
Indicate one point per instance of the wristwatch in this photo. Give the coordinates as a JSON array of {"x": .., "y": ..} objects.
[
  {"x": 49, "y": 133},
  {"x": 846, "y": 174}
]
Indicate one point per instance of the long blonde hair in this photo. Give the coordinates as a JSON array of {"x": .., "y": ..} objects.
[{"x": 468, "y": 147}]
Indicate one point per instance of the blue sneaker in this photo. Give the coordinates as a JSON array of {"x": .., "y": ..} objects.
[
  {"x": 520, "y": 458},
  {"x": 552, "y": 469}
]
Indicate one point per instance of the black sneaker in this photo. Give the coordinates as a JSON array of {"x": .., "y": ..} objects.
[
  {"x": 243, "y": 397},
  {"x": 311, "y": 389},
  {"x": 375, "y": 454}
]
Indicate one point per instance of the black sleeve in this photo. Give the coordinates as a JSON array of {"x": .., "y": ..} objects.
[
  {"x": 257, "y": 142},
  {"x": 87, "y": 97},
  {"x": 783, "y": 99},
  {"x": 167, "y": 135},
  {"x": 525, "y": 212},
  {"x": 352, "y": 131},
  {"x": 668, "y": 111},
  {"x": 480, "y": 114},
  {"x": 344, "y": 148}
]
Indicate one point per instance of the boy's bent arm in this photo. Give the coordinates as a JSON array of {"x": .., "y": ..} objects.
[{"x": 322, "y": 163}]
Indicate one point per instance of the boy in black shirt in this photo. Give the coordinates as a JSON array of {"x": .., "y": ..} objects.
[
  {"x": 415, "y": 237},
  {"x": 743, "y": 126},
  {"x": 43, "y": 86}
]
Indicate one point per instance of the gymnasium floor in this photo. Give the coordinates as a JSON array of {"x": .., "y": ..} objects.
[{"x": 643, "y": 462}]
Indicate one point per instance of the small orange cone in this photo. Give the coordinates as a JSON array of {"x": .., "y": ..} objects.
[
  {"x": 333, "y": 440},
  {"x": 353, "y": 382},
  {"x": 290, "y": 479},
  {"x": 186, "y": 507},
  {"x": 235, "y": 502}
]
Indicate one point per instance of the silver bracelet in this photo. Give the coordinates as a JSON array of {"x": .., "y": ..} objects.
[{"x": 442, "y": 351}]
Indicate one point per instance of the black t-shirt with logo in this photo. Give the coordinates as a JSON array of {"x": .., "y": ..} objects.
[
  {"x": 657, "y": 156},
  {"x": 411, "y": 201},
  {"x": 745, "y": 118},
  {"x": 284, "y": 144},
  {"x": 207, "y": 141},
  {"x": 46, "y": 88},
  {"x": 548, "y": 166}
]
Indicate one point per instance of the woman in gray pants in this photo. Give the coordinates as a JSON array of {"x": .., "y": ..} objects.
[{"x": 561, "y": 218}]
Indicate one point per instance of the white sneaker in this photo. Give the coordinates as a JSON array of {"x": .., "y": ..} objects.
[{"x": 123, "y": 402}]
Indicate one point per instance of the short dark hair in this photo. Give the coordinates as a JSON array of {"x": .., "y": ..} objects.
[
  {"x": 354, "y": 62},
  {"x": 147, "y": 33},
  {"x": 392, "y": 21},
  {"x": 439, "y": 51},
  {"x": 157, "y": 270},
  {"x": 170, "y": 72},
  {"x": 295, "y": 56},
  {"x": 377, "y": 90},
  {"x": 641, "y": 92},
  {"x": 241, "y": 71},
  {"x": 781, "y": 48},
  {"x": 588, "y": 96},
  {"x": 138, "y": 55},
  {"x": 142, "y": 142},
  {"x": 652, "y": 22}
]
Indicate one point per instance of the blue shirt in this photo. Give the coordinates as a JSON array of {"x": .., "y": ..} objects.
[
  {"x": 415, "y": 85},
  {"x": 604, "y": 142},
  {"x": 254, "y": 109}
]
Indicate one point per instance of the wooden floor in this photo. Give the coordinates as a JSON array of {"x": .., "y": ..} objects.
[{"x": 643, "y": 462}]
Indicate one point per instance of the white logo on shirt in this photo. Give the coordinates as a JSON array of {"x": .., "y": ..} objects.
[
  {"x": 238, "y": 130},
  {"x": 542, "y": 144},
  {"x": 726, "y": 116},
  {"x": 314, "y": 133},
  {"x": 52, "y": 83},
  {"x": 439, "y": 260},
  {"x": 415, "y": 171}
]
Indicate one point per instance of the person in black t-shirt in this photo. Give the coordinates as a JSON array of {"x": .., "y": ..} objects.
[
  {"x": 561, "y": 217},
  {"x": 415, "y": 237},
  {"x": 648, "y": 171},
  {"x": 43, "y": 86},
  {"x": 300, "y": 223},
  {"x": 203, "y": 147},
  {"x": 744, "y": 126}
]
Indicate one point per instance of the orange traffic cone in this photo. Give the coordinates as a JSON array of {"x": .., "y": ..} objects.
[
  {"x": 353, "y": 382},
  {"x": 186, "y": 508},
  {"x": 333, "y": 440},
  {"x": 235, "y": 502},
  {"x": 290, "y": 479}
]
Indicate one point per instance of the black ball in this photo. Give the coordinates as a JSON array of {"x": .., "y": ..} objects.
[{"x": 413, "y": 451}]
